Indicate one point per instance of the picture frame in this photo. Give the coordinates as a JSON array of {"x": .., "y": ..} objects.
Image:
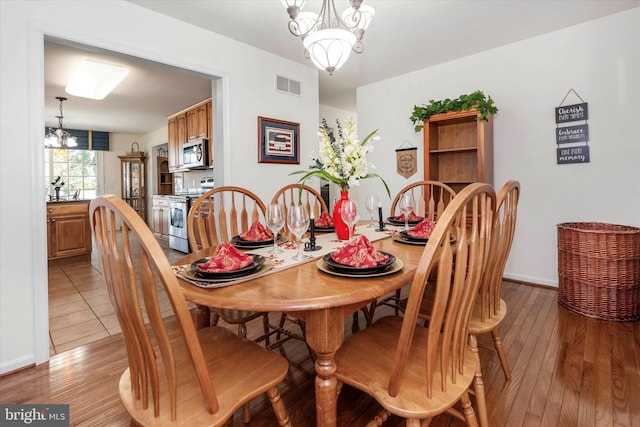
[{"x": 278, "y": 141}]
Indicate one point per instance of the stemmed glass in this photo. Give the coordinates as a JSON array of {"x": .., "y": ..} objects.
[
  {"x": 349, "y": 214},
  {"x": 275, "y": 221},
  {"x": 407, "y": 205},
  {"x": 298, "y": 222},
  {"x": 371, "y": 203}
]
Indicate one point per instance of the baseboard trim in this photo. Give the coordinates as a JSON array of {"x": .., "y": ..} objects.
[
  {"x": 15, "y": 365},
  {"x": 530, "y": 280}
]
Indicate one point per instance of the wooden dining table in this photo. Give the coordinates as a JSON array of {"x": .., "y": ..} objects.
[{"x": 322, "y": 300}]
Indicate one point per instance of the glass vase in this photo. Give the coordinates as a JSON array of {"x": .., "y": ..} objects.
[{"x": 342, "y": 229}]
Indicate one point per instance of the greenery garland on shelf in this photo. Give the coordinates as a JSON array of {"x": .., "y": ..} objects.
[{"x": 484, "y": 104}]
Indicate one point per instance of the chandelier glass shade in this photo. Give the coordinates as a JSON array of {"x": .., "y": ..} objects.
[
  {"x": 60, "y": 138},
  {"x": 329, "y": 49},
  {"x": 329, "y": 37}
]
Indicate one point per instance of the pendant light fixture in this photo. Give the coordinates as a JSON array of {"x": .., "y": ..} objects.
[
  {"x": 60, "y": 138},
  {"x": 328, "y": 37}
]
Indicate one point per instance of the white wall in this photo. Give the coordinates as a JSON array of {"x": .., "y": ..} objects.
[
  {"x": 600, "y": 60},
  {"x": 245, "y": 90}
]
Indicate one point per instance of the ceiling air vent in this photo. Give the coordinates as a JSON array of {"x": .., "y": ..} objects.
[{"x": 284, "y": 84}]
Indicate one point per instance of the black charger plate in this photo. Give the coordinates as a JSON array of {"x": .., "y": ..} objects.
[
  {"x": 241, "y": 243},
  {"x": 393, "y": 221},
  {"x": 342, "y": 268},
  {"x": 258, "y": 260}
]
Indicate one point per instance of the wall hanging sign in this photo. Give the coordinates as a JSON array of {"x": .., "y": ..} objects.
[
  {"x": 574, "y": 138},
  {"x": 278, "y": 141},
  {"x": 407, "y": 159}
]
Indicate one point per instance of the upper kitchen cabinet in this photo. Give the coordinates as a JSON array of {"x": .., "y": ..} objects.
[
  {"x": 191, "y": 123},
  {"x": 177, "y": 125},
  {"x": 133, "y": 182},
  {"x": 458, "y": 149}
]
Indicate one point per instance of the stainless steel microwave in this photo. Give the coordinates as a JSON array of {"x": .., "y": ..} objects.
[{"x": 195, "y": 154}]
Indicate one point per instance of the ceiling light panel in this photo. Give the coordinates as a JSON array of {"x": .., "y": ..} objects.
[{"x": 95, "y": 79}]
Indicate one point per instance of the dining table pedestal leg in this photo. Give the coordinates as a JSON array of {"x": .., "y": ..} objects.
[
  {"x": 325, "y": 334},
  {"x": 201, "y": 317}
]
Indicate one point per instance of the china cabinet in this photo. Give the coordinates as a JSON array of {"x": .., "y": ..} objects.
[
  {"x": 132, "y": 175},
  {"x": 458, "y": 149}
]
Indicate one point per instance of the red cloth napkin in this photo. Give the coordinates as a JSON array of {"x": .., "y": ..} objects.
[
  {"x": 225, "y": 258},
  {"x": 257, "y": 233},
  {"x": 359, "y": 253},
  {"x": 412, "y": 217},
  {"x": 423, "y": 230},
  {"x": 324, "y": 221}
]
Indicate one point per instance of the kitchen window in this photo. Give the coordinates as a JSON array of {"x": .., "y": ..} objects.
[{"x": 78, "y": 169}]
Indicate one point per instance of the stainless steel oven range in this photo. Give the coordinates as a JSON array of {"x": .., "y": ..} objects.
[{"x": 179, "y": 209}]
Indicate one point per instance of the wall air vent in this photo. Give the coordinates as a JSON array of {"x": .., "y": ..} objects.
[{"x": 284, "y": 84}]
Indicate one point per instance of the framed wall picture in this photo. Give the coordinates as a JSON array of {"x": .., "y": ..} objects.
[{"x": 278, "y": 141}]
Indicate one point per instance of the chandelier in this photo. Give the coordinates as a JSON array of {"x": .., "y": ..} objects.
[
  {"x": 328, "y": 38},
  {"x": 60, "y": 138}
]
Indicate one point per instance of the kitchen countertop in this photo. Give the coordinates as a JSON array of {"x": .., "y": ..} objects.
[{"x": 68, "y": 201}]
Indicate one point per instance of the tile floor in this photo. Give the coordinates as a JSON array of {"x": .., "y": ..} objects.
[{"x": 80, "y": 311}]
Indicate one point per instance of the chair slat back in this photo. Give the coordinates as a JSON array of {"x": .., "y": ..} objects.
[
  {"x": 290, "y": 195},
  {"x": 220, "y": 214},
  {"x": 502, "y": 238},
  {"x": 468, "y": 219},
  {"x": 431, "y": 197},
  {"x": 133, "y": 264}
]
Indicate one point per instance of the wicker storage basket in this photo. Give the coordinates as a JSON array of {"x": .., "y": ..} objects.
[{"x": 599, "y": 270}]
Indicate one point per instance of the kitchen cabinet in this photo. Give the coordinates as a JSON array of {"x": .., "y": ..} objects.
[
  {"x": 160, "y": 215},
  {"x": 197, "y": 123},
  {"x": 165, "y": 178},
  {"x": 177, "y": 128},
  {"x": 208, "y": 108},
  {"x": 191, "y": 123},
  {"x": 68, "y": 229},
  {"x": 133, "y": 176},
  {"x": 458, "y": 149}
]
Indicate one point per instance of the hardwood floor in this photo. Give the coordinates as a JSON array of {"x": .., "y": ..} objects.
[{"x": 568, "y": 370}]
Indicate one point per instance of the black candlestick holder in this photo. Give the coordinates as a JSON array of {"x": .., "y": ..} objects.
[
  {"x": 310, "y": 246},
  {"x": 380, "y": 220}
]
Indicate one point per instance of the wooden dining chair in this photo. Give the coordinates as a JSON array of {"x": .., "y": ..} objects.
[
  {"x": 295, "y": 194},
  {"x": 431, "y": 197},
  {"x": 419, "y": 372},
  {"x": 215, "y": 217},
  {"x": 177, "y": 375},
  {"x": 220, "y": 214},
  {"x": 291, "y": 195},
  {"x": 489, "y": 310}
]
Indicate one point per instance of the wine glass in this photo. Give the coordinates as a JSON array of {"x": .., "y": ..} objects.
[
  {"x": 298, "y": 222},
  {"x": 349, "y": 214},
  {"x": 407, "y": 205},
  {"x": 275, "y": 221},
  {"x": 371, "y": 202}
]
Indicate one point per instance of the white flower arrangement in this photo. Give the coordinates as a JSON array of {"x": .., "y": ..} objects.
[{"x": 342, "y": 160}]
